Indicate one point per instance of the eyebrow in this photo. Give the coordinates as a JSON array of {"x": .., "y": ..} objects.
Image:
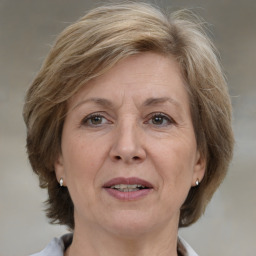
[
  {"x": 156, "y": 101},
  {"x": 98, "y": 101},
  {"x": 148, "y": 102}
]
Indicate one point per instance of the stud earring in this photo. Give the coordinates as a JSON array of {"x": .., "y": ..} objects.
[
  {"x": 197, "y": 182},
  {"x": 61, "y": 182}
]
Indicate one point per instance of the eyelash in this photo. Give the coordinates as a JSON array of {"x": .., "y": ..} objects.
[
  {"x": 164, "y": 117},
  {"x": 87, "y": 121},
  {"x": 89, "y": 118}
]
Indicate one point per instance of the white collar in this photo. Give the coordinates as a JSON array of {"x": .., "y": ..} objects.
[
  {"x": 58, "y": 245},
  {"x": 190, "y": 251}
]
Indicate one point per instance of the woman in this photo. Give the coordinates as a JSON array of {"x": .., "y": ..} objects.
[{"x": 129, "y": 129}]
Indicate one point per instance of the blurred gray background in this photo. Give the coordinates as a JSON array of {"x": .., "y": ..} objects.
[{"x": 29, "y": 27}]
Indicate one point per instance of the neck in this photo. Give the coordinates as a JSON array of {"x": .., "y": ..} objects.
[{"x": 94, "y": 241}]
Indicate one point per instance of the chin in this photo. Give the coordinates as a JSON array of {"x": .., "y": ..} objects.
[{"x": 130, "y": 224}]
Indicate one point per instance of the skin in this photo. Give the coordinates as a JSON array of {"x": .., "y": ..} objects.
[{"x": 141, "y": 127}]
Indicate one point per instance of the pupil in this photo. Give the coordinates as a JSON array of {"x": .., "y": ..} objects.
[
  {"x": 158, "y": 120},
  {"x": 96, "y": 120}
]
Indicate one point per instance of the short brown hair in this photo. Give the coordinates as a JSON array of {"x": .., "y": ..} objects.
[{"x": 90, "y": 47}]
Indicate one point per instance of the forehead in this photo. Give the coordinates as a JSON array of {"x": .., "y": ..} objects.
[{"x": 140, "y": 77}]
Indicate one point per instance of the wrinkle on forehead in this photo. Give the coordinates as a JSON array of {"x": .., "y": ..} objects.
[{"x": 135, "y": 73}]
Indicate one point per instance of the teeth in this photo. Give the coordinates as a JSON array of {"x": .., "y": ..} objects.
[{"x": 127, "y": 187}]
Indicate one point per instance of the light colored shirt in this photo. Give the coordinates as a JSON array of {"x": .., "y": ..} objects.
[{"x": 58, "y": 245}]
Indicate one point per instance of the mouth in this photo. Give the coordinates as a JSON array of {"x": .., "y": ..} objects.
[{"x": 128, "y": 188}]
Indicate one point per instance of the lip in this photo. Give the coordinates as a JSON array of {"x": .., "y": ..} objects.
[
  {"x": 131, "y": 195},
  {"x": 130, "y": 180}
]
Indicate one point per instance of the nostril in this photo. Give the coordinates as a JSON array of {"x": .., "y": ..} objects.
[{"x": 134, "y": 158}]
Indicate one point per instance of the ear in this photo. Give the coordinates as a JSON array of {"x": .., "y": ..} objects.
[
  {"x": 59, "y": 169},
  {"x": 199, "y": 168}
]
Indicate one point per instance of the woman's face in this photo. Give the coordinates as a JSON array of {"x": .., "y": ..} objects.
[{"x": 129, "y": 155}]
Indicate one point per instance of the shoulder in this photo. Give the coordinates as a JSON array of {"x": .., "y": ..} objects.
[
  {"x": 188, "y": 249},
  {"x": 56, "y": 247}
]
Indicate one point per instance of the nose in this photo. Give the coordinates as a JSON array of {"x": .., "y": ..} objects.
[{"x": 127, "y": 144}]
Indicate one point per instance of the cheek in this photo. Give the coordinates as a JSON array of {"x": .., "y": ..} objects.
[
  {"x": 176, "y": 159},
  {"x": 83, "y": 157},
  {"x": 78, "y": 158},
  {"x": 81, "y": 165}
]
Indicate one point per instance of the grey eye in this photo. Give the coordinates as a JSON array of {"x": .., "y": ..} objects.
[
  {"x": 160, "y": 120},
  {"x": 94, "y": 120}
]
